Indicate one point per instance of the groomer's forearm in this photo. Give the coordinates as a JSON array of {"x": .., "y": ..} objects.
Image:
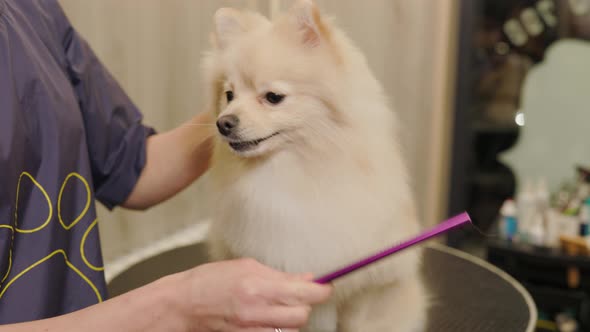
[
  {"x": 174, "y": 160},
  {"x": 148, "y": 309}
]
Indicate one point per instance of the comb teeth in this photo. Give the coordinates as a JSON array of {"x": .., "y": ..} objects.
[{"x": 445, "y": 226}]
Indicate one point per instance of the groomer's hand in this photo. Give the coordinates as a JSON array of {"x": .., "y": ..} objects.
[{"x": 243, "y": 295}]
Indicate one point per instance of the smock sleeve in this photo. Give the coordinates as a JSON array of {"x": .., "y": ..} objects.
[{"x": 115, "y": 134}]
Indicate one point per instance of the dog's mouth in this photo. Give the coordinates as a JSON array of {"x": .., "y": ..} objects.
[{"x": 242, "y": 146}]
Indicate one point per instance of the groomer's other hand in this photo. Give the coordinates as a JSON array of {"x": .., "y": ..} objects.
[{"x": 244, "y": 295}]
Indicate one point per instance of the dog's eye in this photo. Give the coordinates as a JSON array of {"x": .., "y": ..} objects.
[
  {"x": 229, "y": 95},
  {"x": 274, "y": 98}
]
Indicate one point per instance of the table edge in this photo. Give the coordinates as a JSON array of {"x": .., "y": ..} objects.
[{"x": 502, "y": 274}]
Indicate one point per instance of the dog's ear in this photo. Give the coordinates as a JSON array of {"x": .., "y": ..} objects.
[
  {"x": 231, "y": 23},
  {"x": 307, "y": 19},
  {"x": 228, "y": 25}
]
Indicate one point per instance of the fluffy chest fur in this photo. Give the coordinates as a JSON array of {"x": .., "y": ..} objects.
[{"x": 300, "y": 215}]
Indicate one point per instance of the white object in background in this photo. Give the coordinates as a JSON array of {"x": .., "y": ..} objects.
[
  {"x": 543, "y": 194},
  {"x": 553, "y": 228},
  {"x": 539, "y": 227},
  {"x": 536, "y": 233},
  {"x": 570, "y": 225},
  {"x": 527, "y": 206},
  {"x": 560, "y": 224}
]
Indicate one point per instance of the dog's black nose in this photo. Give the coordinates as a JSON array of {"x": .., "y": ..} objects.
[{"x": 227, "y": 123}]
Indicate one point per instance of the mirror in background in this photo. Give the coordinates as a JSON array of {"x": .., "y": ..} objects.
[
  {"x": 555, "y": 117},
  {"x": 521, "y": 161},
  {"x": 522, "y": 101}
]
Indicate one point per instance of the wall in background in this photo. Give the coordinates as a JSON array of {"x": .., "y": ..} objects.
[{"x": 154, "y": 49}]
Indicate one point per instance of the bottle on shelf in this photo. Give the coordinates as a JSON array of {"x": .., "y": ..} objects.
[{"x": 508, "y": 221}]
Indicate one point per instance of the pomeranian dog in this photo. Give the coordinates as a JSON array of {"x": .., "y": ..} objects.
[{"x": 307, "y": 171}]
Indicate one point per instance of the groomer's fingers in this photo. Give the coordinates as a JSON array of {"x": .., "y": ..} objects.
[
  {"x": 270, "y": 272},
  {"x": 295, "y": 292},
  {"x": 271, "y": 316},
  {"x": 266, "y": 329},
  {"x": 267, "y": 271},
  {"x": 305, "y": 276},
  {"x": 305, "y": 292}
]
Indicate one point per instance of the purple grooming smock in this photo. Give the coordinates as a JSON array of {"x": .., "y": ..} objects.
[{"x": 68, "y": 135}]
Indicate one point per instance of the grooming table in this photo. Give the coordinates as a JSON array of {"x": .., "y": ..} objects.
[
  {"x": 470, "y": 295},
  {"x": 473, "y": 295}
]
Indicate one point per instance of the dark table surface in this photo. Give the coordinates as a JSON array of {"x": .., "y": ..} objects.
[
  {"x": 473, "y": 295},
  {"x": 468, "y": 294}
]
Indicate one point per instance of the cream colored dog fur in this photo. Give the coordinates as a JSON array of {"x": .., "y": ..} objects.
[{"x": 307, "y": 174}]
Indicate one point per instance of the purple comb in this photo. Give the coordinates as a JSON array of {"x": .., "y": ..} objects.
[{"x": 443, "y": 227}]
